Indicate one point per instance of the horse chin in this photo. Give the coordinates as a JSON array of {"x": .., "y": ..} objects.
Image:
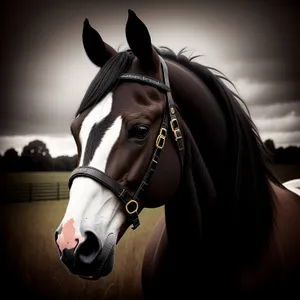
[{"x": 97, "y": 271}]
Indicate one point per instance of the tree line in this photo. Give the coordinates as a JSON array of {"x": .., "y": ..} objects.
[
  {"x": 36, "y": 157},
  {"x": 289, "y": 155}
]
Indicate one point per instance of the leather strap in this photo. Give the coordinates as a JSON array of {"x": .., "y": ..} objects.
[
  {"x": 111, "y": 184},
  {"x": 145, "y": 79},
  {"x": 172, "y": 113},
  {"x": 159, "y": 144}
]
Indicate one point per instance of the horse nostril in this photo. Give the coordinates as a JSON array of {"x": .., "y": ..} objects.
[
  {"x": 55, "y": 239},
  {"x": 87, "y": 251},
  {"x": 55, "y": 235}
]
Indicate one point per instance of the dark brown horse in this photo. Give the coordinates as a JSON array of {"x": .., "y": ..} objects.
[{"x": 155, "y": 128}]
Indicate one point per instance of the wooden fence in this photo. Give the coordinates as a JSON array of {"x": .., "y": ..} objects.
[{"x": 27, "y": 192}]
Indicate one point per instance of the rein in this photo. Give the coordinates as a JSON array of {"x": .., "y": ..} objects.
[{"x": 131, "y": 202}]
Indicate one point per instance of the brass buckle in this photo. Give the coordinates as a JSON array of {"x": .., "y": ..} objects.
[
  {"x": 136, "y": 207},
  {"x": 161, "y": 138},
  {"x": 175, "y": 129},
  {"x": 177, "y": 134}
]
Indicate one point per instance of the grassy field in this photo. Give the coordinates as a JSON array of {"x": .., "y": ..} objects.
[
  {"x": 31, "y": 264},
  {"x": 34, "y": 177}
]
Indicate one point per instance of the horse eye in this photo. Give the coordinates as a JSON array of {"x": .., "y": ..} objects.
[{"x": 139, "y": 131}]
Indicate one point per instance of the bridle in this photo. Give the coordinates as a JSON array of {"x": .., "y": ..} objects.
[{"x": 131, "y": 202}]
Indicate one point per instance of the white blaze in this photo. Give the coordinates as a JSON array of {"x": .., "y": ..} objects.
[{"x": 91, "y": 204}]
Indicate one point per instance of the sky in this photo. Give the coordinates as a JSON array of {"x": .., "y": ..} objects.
[{"x": 45, "y": 71}]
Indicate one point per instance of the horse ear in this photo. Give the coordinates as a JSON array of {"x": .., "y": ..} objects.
[
  {"x": 139, "y": 41},
  {"x": 97, "y": 51}
]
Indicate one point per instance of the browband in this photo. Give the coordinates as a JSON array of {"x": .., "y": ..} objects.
[{"x": 145, "y": 79}]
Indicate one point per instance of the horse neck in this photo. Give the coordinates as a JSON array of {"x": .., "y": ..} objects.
[
  {"x": 194, "y": 242},
  {"x": 204, "y": 118},
  {"x": 244, "y": 214}
]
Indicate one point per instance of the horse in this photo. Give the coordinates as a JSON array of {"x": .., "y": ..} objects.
[{"x": 156, "y": 128}]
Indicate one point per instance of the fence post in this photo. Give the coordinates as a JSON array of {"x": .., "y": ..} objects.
[
  {"x": 57, "y": 190},
  {"x": 30, "y": 192}
]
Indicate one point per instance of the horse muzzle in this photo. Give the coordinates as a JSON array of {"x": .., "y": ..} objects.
[{"x": 89, "y": 258}]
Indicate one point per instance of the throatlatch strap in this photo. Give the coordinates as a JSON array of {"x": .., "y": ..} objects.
[{"x": 172, "y": 113}]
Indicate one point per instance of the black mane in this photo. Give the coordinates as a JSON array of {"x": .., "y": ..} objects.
[
  {"x": 249, "y": 203},
  {"x": 215, "y": 83},
  {"x": 106, "y": 79}
]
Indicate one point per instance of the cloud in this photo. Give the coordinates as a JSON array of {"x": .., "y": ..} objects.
[
  {"x": 289, "y": 123},
  {"x": 268, "y": 70},
  {"x": 265, "y": 93},
  {"x": 275, "y": 110},
  {"x": 46, "y": 71},
  {"x": 46, "y": 94}
]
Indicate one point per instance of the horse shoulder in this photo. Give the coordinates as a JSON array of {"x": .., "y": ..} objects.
[
  {"x": 287, "y": 225},
  {"x": 279, "y": 268}
]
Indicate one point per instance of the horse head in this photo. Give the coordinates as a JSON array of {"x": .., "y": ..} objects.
[{"x": 122, "y": 130}]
